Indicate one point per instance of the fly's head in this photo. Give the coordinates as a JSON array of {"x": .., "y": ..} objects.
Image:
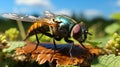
[{"x": 79, "y": 32}]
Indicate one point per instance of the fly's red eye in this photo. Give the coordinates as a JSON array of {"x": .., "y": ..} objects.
[{"x": 76, "y": 29}]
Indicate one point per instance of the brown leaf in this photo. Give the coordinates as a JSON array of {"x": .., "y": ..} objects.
[{"x": 44, "y": 53}]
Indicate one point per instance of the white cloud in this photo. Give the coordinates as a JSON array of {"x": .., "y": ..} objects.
[
  {"x": 64, "y": 12},
  {"x": 43, "y": 3},
  {"x": 92, "y": 13},
  {"x": 118, "y": 2}
]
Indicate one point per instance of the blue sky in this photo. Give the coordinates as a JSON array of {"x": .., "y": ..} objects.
[{"x": 88, "y": 7}]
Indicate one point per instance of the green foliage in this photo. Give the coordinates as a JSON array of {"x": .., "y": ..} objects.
[
  {"x": 2, "y": 63},
  {"x": 115, "y": 27},
  {"x": 2, "y": 38},
  {"x": 6, "y": 55},
  {"x": 114, "y": 43},
  {"x": 9, "y": 62},
  {"x": 12, "y": 33},
  {"x": 106, "y": 61},
  {"x": 115, "y": 16},
  {"x": 94, "y": 43},
  {"x": 103, "y": 40},
  {"x": 41, "y": 37},
  {"x": 6, "y": 24},
  {"x": 13, "y": 45}
]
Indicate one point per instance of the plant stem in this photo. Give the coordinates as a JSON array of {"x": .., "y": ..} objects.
[{"x": 21, "y": 28}]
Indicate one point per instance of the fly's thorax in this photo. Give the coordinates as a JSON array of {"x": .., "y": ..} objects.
[{"x": 65, "y": 24}]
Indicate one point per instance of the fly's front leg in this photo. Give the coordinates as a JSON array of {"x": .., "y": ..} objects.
[
  {"x": 55, "y": 47},
  {"x": 70, "y": 51},
  {"x": 52, "y": 32},
  {"x": 81, "y": 43}
]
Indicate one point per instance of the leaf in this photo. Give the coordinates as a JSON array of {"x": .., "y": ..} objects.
[
  {"x": 94, "y": 43},
  {"x": 44, "y": 53},
  {"x": 103, "y": 40},
  {"x": 14, "y": 45},
  {"x": 116, "y": 16},
  {"x": 106, "y": 61},
  {"x": 112, "y": 28}
]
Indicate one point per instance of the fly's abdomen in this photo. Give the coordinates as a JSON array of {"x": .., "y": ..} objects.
[{"x": 36, "y": 28}]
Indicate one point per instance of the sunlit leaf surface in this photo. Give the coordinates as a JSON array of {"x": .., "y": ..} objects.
[
  {"x": 106, "y": 61},
  {"x": 13, "y": 45}
]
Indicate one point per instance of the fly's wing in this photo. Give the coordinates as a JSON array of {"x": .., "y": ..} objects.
[
  {"x": 49, "y": 14},
  {"x": 19, "y": 17},
  {"x": 30, "y": 18}
]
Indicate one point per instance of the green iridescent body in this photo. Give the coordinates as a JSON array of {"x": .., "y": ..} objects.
[{"x": 65, "y": 25}]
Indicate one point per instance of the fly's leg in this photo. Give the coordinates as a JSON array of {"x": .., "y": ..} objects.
[
  {"x": 81, "y": 43},
  {"x": 38, "y": 42},
  {"x": 58, "y": 39},
  {"x": 70, "y": 51},
  {"x": 38, "y": 37},
  {"x": 55, "y": 47}
]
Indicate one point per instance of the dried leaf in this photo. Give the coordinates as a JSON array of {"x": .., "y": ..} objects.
[{"x": 44, "y": 53}]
